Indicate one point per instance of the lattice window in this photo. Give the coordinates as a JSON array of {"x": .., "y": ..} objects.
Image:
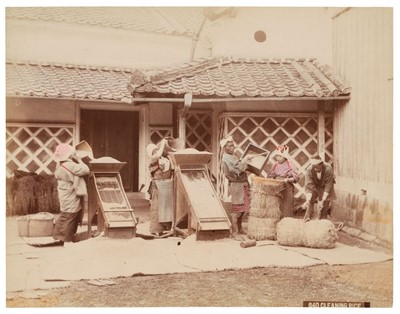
[
  {"x": 30, "y": 147},
  {"x": 297, "y": 131},
  {"x": 329, "y": 139},
  {"x": 199, "y": 130},
  {"x": 157, "y": 133}
]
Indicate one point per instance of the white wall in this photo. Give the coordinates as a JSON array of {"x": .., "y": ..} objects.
[
  {"x": 291, "y": 33},
  {"x": 94, "y": 45}
]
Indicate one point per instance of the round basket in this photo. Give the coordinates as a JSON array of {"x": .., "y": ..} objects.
[{"x": 37, "y": 225}]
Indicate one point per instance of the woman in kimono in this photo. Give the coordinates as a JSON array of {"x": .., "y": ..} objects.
[
  {"x": 160, "y": 189},
  {"x": 71, "y": 188},
  {"x": 284, "y": 169}
]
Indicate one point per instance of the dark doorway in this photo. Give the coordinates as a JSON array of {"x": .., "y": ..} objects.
[{"x": 114, "y": 134}]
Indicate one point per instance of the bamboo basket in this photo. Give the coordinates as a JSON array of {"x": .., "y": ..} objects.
[
  {"x": 265, "y": 210},
  {"x": 37, "y": 225}
]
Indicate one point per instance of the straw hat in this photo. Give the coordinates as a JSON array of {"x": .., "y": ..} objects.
[
  {"x": 282, "y": 150},
  {"x": 224, "y": 141},
  {"x": 63, "y": 152},
  {"x": 316, "y": 160}
]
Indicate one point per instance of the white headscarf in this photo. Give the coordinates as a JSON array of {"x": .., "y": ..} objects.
[
  {"x": 224, "y": 141},
  {"x": 316, "y": 160}
]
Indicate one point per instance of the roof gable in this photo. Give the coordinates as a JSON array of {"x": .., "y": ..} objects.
[{"x": 236, "y": 77}]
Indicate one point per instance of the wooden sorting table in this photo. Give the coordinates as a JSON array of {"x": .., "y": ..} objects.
[
  {"x": 107, "y": 200},
  {"x": 197, "y": 206}
]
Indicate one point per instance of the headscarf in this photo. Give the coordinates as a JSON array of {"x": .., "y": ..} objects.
[
  {"x": 224, "y": 141},
  {"x": 63, "y": 152}
]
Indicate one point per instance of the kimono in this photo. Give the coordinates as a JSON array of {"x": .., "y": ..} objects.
[
  {"x": 69, "y": 176},
  {"x": 285, "y": 170},
  {"x": 161, "y": 195},
  {"x": 235, "y": 172}
]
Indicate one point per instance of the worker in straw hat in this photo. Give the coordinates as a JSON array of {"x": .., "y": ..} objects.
[
  {"x": 319, "y": 187},
  {"x": 71, "y": 189},
  {"x": 284, "y": 169},
  {"x": 160, "y": 189},
  {"x": 235, "y": 171}
]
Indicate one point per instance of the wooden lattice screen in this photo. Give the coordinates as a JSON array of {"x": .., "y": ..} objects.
[
  {"x": 298, "y": 131},
  {"x": 199, "y": 130},
  {"x": 30, "y": 147},
  {"x": 157, "y": 133}
]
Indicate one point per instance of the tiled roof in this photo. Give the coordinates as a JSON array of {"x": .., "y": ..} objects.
[
  {"x": 223, "y": 77},
  {"x": 236, "y": 77},
  {"x": 164, "y": 20},
  {"x": 66, "y": 81}
]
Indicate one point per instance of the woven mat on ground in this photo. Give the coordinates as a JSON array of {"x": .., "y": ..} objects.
[{"x": 342, "y": 254}]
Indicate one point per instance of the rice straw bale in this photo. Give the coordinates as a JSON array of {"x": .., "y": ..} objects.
[
  {"x": 290, "y": 232},
  {"x": 46, "y": 194},
  {"x": 320, "y": 234},
  {"x": 261, "y": 228},
  {"x": 266, "y": 198},
  {"x": 265, "y": 210},
  {"x": 24, "y": 199},
  {"x": 313, "y": 234}
]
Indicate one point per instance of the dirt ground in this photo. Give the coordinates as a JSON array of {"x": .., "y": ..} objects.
[{"x": 260, "y": 287}]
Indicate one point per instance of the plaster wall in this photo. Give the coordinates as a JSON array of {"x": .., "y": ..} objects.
[
  {"x": 45, "y": 41},
  {"x": 290, "y": 33},
  {"x": 40, "y": 110}
]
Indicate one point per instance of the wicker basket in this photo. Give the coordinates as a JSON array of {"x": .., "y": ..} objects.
[{"x": 37, "y": 225}]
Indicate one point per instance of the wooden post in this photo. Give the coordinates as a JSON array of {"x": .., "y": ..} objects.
[
  {"x": 77, "y": 134},
  {"x": 321, "y": 129},
  {"x": 144, "y": 139},
  {"x": 182, "y": 127}
]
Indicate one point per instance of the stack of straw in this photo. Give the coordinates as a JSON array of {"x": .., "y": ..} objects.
[
  {"x": 30, "y": 193},
  {"x": 265, "y": 208}
]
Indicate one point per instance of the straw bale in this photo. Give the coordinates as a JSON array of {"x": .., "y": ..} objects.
[
  {"x": 290, "y": 232},
  {"x": 320, "y": 234},
  {"x": 313, "y": 234},
  {"x": 29, "y": 193},
  {"x": 265, "y": 212},
  {"x": 268, "y": 186},
  {"x": 9, "y": 196},
  {"x": 24, "y": 201},
  {"x": 266, "y": 197},
  {"x": 261, "y": 228},
  {"x": 264, "y": 206},
  {"x": 46, "y": 194}
]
